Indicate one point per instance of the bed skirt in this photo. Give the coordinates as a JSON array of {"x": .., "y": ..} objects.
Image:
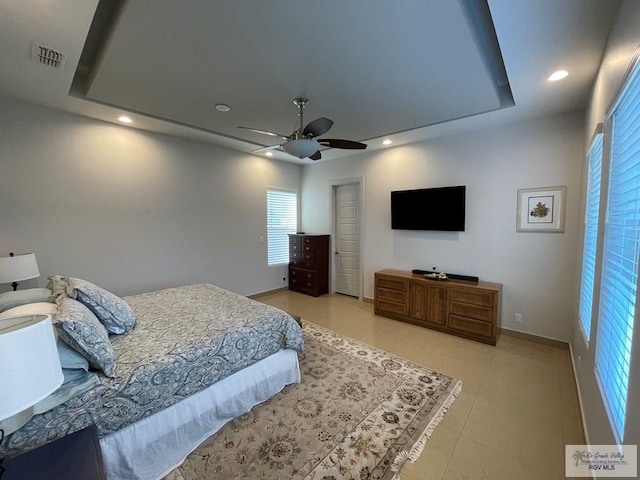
[{"x": 152, "y": 447}]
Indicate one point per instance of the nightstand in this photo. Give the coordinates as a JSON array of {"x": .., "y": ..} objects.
[{"x": 74, "y": 457}]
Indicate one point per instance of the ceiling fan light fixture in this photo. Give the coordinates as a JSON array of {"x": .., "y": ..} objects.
[{"x": 301, "y": 148}]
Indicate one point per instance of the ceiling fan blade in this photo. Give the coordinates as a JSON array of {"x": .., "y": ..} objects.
[
  {"x": 264, "y": 132},
  {"x": 316, "y": 156},
  {"x": 318, "y": 127},
  {"x": 338, "y": 143},
  {"x": 266, "y": 149}
]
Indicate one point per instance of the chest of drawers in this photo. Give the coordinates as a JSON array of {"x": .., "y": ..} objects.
[{"x": 309, "y": 264}]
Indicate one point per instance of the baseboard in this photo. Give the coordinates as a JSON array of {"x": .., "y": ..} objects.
[
  {"x": 253, "y": 296},
  {"x": 585, "y": 431},
  {"x": 533, "y": 338},
  {"x": 367, "y": 300}
]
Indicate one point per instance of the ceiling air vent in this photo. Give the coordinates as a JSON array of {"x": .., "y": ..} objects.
[{"x": 47, "y": 56}]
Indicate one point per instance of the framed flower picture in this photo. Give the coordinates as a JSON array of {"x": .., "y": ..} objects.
[{"x": 541, "y": 209}]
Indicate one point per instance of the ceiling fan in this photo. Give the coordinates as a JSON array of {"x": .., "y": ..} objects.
[{"x": 302, "y": 143}]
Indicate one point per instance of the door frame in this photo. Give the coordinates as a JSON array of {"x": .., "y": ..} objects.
[{"x": 359, "y": 181}]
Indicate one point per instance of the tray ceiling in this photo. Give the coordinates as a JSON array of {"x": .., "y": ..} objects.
[{"x": 403, "y": 69}]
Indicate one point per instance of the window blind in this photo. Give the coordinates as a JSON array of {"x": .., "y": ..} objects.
[
  {"x": 620, "y": 257},
  {"x": 592, "y": 209},
  {"x": 282, "y": 219}
]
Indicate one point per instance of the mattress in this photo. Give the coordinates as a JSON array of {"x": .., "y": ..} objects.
[{"x": 185, "y": 340}]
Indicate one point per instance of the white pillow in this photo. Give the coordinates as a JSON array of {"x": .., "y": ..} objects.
[
  {"x": 38, "y": 308},
  {"x": 69, "y": 358},
  {"x": 22, "y": 297}
]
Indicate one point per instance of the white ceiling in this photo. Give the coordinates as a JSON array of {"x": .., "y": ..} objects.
[{"x": 407, "y": 69}]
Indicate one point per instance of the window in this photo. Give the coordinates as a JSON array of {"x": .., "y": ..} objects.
[
  {"x": 282, "y": 219},
  {"x": 592, "y": 210},
  {"x": 620, "y": 256}
]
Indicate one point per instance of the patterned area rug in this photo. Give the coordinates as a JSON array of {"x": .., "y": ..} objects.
[{"x": 359, "y": 413}]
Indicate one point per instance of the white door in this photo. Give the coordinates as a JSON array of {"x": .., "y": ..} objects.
[{"x": 347, "y": 253}]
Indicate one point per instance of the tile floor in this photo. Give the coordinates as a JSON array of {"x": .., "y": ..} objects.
[{"x": 517, "y": 410}]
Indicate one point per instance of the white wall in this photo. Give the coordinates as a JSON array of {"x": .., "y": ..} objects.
[
  {"x": 624, "y": 43},
  {"x": 130, "y": 210},
  {"x": 537, "y": 270}
]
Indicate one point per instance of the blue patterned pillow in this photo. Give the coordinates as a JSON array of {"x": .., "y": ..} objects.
[
  {"x": 79, "y": 328},
  {"x": 114, "y": 313}
]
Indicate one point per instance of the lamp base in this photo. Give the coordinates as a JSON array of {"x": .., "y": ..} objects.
[{"x": 19, "y": 420}]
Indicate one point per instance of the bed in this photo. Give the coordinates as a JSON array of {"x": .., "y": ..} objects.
[{"x": 198, "y": 357}]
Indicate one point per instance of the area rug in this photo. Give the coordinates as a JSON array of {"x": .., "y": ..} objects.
[{"x": 359, "y": 413}]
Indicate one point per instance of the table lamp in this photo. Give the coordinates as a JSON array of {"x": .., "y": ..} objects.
[
  {"x": 29, "y": 367},
  {"x": 15, "y": 268}
]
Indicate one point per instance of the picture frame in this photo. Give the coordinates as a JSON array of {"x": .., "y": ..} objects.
[{"x": 541, "y": 209}]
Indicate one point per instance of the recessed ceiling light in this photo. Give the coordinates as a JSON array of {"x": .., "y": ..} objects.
[
  {"x": 221, "y": 107},
  {"x": 387, "y": 142},
  {"x": 269, "y": 154},
  {"x": 559, "y": 75},
  {"x": 124, "y": 119}
]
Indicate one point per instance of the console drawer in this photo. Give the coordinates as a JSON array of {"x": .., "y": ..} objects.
[
  {"x": 474, "y": 296},
  {"x": 392, "y": 284},
  {"x": 470, "y": 326},
  {"x": 472, "y": 311},
  {"x": 392, "y": 295},
  {"x": 391, "y": 307}
]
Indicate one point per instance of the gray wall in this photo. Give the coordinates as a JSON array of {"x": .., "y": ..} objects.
[
  {"x": 130, "y": 210},
  {"x": 538, "y": 270},
  {"x": 624, "y": 42}
]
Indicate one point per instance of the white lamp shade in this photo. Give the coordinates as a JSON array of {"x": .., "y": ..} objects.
[
  {"x": 19, "y": 267},
  {"x": 301, "y": 148},
  {"x": 29, "y": 363}
]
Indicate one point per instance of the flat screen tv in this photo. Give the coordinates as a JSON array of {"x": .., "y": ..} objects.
[{"x": 429, "y": 209}]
